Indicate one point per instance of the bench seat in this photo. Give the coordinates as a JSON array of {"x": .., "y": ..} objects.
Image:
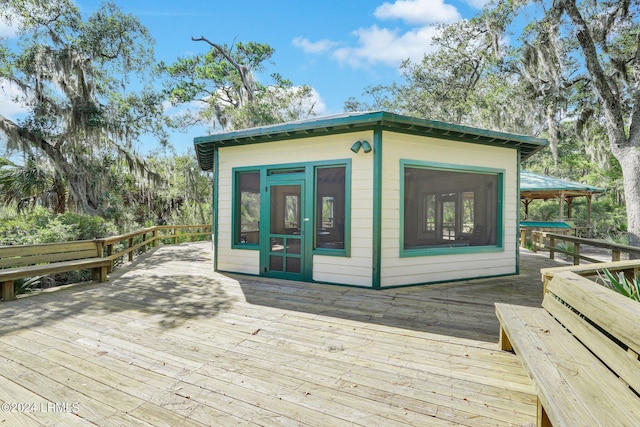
[
  {"x": 573, "y": 388},
  {"x": 580, "y": 350},
  {"x": 18, "y": 262}
]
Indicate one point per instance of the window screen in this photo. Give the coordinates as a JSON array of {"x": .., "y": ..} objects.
[
  {"x": 444, "y": 208},
  {"x": 247, "y": 208},
  {"x": 330, "y": 207}
]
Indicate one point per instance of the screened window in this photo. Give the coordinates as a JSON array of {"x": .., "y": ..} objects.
[
  {"x": 445, "y": 208},
  {"x": 330, "y": 207},
  {"x": 247, "y": 209}
]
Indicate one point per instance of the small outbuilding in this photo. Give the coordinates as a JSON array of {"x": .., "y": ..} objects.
[{"x": 369, "y": 199}]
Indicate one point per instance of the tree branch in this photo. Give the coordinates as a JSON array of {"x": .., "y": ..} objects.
[{"x": 243, "y": 71}]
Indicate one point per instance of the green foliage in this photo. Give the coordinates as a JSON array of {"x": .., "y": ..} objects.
[
  {"x": 41, "y": 226},
  {"x": 629, "y": 287},
  {"x": 75, "y": 76},
  {"x": 26, "y": 285},
  {"x": 223, "y": 82}
]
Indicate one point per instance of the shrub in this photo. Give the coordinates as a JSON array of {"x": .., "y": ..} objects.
[{"x": 629, "y": 287}]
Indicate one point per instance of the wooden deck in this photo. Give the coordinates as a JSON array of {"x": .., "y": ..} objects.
[{"x": 168, "y": 342}]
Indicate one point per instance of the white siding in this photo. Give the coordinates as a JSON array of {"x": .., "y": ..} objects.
[
  {"x": 353, "y": 270},
  {"x": 410, "y": 270}
]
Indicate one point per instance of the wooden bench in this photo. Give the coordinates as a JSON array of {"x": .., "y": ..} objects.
[
  {"x": 20, "y": 261},
  {"x": 629, "y": 267},
  {"x": 580, "y": 351}
]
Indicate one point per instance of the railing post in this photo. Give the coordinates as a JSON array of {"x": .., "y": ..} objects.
[
  {"x": 576, "y": 253},
  {"x": 130, "y": 251},
  {"x": 534, "y": 240},
  {"x": 175, "y": 235},
  {"x": 523, "y": 235},
  {"x": 105, "y": 251},
  {"x": 155, "y": 237},
  {"x": 615, "y": 255},
  {"x": 144, "y": 245},
  {"x": 7, "y": 291},
  {"x": 552, "y": 247}
]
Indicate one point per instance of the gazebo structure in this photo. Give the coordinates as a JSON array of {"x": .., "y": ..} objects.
[{"x": 541, "y": 187}]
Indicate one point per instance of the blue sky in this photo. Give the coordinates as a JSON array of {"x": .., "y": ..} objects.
[{"x": 338, "y": 47}]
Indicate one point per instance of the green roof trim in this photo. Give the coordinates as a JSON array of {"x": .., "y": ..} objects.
[
  {"x": 545, "y": 224},
  {"x": 530, "y": 181},
  {"x": 357, "y": 121}
]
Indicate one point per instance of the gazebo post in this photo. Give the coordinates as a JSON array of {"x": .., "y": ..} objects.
[
  {"x": 561, "y": 210},
  {"x": 526, "y": 202},
  {"x": 589, "y": 196}
]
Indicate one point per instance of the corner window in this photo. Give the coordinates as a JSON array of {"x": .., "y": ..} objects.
[
  {"x": 247, "y": 208},
  {"x": 450, "y": 208},
  {"x": 330, "y": 207}
]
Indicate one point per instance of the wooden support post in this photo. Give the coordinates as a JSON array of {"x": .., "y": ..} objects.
[
  {"x": 523, "y": 235},
  {"x": 546, "y": 278},
  {"x": 144, "y": 245},
  {"x": 615, "y": 255},
  {"x": 155, "y": 237},
  {"x": 130, "y": 246},
  {"x": 109, "y": 250},
  {"x": 175, "y": 235},
  {"x": 576, "y": 253},
  {"x": 542, "y": 417},
  {"x": 8, "y": 293},
  {"x": 589, "y": 215},
  {"x": 552, "y": 247},
  {"x": 504, "y": 342}
]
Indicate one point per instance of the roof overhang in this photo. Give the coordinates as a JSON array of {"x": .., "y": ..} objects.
[
  {"x": 205, "y": 146},
  {"x": 536, "y": 186}
]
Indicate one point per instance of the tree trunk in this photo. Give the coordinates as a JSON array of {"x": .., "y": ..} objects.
[
  {"x": 625, "y": 148},
  {"x": 629, "y": 159}
]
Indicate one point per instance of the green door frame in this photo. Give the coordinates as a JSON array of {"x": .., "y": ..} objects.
[{"x": 305, "y": 236}]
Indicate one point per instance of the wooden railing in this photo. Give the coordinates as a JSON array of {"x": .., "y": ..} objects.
[
  {"x": 100, "y": 255},
  {"x": 139, "y": 241},
  {"x": 578, "y": 243}
]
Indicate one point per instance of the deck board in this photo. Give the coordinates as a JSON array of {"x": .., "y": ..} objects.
[{"x": 169, "y": 342}]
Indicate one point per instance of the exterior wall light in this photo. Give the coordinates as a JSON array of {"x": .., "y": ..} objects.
[{"x": 366, "y": 147}]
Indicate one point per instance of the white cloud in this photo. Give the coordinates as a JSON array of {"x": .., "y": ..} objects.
[
  {"x": 8, "y": 107},
  {"x": 319, "y": 106},
  {"x": 9, "y": 26},
  {"x": 418, "y": 11},
  {"x": 478, "y": 4},
  {"x": 378, "y": 44},
  {"x": 381, "y": 45},
  {"x": 307, "y": 46}
]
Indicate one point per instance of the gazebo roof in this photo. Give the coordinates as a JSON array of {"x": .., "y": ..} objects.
[{"x": 536, "y": 186}]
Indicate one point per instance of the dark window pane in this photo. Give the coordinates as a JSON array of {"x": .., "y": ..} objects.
[
  {"x": 449, "y": 208},
  {"x": 330, "y": 207},
  {"x": 293, "y": 265},
  {"x": 276, "y": 263},
  {"x": 247, "y": 201}
]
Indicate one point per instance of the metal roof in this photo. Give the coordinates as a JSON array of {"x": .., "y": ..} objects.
[
  {"x": 358, "y": 121},
  {"x": 536, "y": 186}
]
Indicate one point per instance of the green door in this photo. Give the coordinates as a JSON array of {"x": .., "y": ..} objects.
[{"x": 284, "y": 248}]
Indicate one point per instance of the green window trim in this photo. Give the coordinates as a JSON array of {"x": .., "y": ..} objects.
[
  {"x": 308, "y": 170},
  {"x": 453, "y": 249},
  {"x": 346, "y": 251},
  {"x": 236, "y": 239}
]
